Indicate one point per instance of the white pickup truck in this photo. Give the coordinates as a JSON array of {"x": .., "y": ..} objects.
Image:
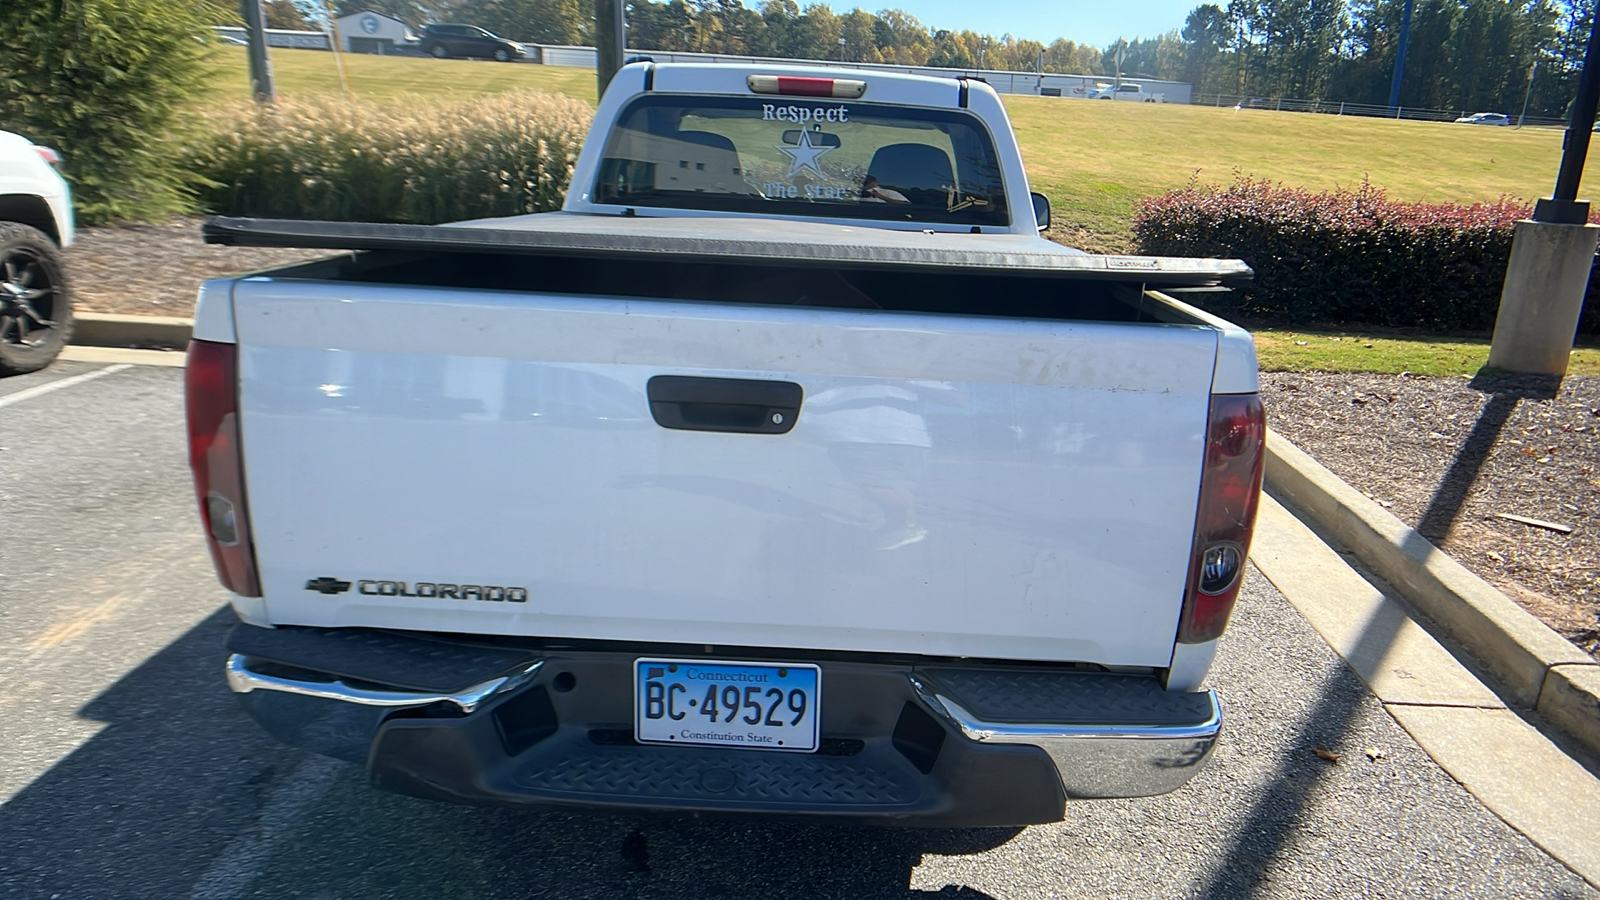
[
  {"x": 1126, "y": 91},
  {"x": 786, "y": 470}
]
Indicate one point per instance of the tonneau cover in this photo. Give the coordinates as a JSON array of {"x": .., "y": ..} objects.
[{"x": 745, "y": 240}]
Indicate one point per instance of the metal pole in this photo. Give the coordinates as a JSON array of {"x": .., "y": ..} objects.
[
  {"x": 1564, "y": 207},
  {"x": 334, "y": 42},
  {"x": 1533, "y": 71},
  {"x": 1400, "y": 55},
  {"x": 255, "y": 24},
  {"x": 610, "y": 40},
  {"x": 619, "y": 35}
]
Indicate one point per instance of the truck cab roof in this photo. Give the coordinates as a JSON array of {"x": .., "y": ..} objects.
[{"x": 805, "y": 143}]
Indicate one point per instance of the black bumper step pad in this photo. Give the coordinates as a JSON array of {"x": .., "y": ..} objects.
[
  {"x": 567, "y": 769},
  {"x": 1068, "y": 698},
  {"x": 394, "y": 659}
]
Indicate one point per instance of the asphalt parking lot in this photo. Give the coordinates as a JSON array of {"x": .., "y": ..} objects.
[{"x": 129, "y": 772}]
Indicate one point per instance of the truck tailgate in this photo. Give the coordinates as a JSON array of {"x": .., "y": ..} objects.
[{"x": 953, "y": 485}]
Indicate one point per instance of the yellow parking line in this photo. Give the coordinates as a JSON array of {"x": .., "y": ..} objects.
[{"x": 61, "y": 632}]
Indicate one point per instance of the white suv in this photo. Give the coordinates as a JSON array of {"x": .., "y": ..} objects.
[{"x": 35, "y": 224}]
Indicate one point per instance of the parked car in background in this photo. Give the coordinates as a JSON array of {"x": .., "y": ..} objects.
[
  {"x": 1125, "y": 91},
  {"x": 445, "y": 41},
  {"x": 1485, "y": 118},
  {"x": 35, "y": 224}
]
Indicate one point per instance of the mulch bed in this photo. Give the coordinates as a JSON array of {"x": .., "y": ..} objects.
[
  {"x": 156, "y": 270},
  {"x": 1450, "y": 455},
  {"x": 1445, "y": 454}
]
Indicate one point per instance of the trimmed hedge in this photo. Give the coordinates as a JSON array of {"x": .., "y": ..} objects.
[
  {"x": 106, "y": 82},
  {"x": 421, "y": 162},
  {"x": 1348, "y": 256}
]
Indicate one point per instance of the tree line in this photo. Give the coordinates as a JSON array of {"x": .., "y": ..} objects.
[{"x": 1462, "y": 54}]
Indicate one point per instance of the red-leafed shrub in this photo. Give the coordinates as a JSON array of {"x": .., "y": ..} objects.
[{"x": 1348, "y": 256}]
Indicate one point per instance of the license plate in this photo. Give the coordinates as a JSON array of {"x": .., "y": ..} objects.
[{"x": 753, "y": 706}]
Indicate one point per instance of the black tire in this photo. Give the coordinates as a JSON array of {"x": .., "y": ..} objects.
[
  {"x": 502, "y": 55},
  {"x": 35, "y": 304},
  {"x": 437, "y": 51}
]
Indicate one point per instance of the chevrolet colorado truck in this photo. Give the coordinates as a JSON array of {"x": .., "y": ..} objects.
[{"x": 785, "y": 470}]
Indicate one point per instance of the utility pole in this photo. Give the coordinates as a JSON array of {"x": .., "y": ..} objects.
[
  {"x": 1533, "y": 71},
  {"x": 255, "y": 24},
  {"x": 1552, "y": 255},
  {"x": 610, "y": 40},
  {"x": 335, "y": 41},
  {"x": 1400, "y": 56}
]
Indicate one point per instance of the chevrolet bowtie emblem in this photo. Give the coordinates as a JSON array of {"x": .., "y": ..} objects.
[{"x": 328, "y": 585}]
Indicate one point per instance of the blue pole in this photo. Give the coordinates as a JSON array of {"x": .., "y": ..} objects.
[
  {"x": 1563, "y": 206},
  {"x": 1400, "y": 56}
]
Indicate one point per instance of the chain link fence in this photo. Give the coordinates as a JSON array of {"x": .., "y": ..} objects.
[{"x": 1340, "y": 108}]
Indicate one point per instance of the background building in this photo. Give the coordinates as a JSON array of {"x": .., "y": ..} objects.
[{"x": 370, "y": 32}]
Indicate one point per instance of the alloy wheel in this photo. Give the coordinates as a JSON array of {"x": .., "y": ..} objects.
[{"x": 27, "y": 298}]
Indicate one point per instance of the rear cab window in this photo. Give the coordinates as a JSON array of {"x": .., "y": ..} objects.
[{"x": 802, "y": 157}]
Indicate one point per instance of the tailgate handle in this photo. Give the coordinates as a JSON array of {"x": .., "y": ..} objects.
[{"x": 724, "y": 404}]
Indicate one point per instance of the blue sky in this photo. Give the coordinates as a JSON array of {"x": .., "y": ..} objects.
[{"x": 1097, "y": 22}]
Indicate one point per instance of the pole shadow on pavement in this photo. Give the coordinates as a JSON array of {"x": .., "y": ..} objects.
[{"x": 1276, "y": 816}]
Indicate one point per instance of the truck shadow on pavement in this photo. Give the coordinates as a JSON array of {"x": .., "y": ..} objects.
[{"x": 182, "y": 795}]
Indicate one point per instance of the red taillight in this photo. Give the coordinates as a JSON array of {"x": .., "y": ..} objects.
[
  {"x": 799, "y": 86},
  {"x": 1230, "y": 491},
  {"x": 211, "y": 399}
]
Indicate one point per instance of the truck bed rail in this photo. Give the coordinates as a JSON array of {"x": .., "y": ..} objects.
[{"x": 798, "y": 244}]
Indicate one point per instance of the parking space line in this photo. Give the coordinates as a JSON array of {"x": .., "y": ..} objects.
[
  {"x": 62, "y": 632},
  {"x": 46, "y": 388},
  {"x": 170, "y": 358}
]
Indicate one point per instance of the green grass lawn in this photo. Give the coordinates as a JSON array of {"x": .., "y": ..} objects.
[
  {"x": 300, "y": 73},
  {"x": 1094, "y": 160},
  {"x": 1347, "y": 351}
]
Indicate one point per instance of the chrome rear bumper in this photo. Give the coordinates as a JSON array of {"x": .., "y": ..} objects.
[
  {"x": 947, "y": 745},
  {"x": 242, "y": 681},
  {"x": 1097, "y": 761}
]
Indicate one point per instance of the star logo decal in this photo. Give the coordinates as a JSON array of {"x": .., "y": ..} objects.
[{"x": 804, "y": 156}]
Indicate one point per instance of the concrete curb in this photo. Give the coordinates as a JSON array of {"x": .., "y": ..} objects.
[
  {"x": 146, "y": 332},
  {"x": 1540, "y": 669}
]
